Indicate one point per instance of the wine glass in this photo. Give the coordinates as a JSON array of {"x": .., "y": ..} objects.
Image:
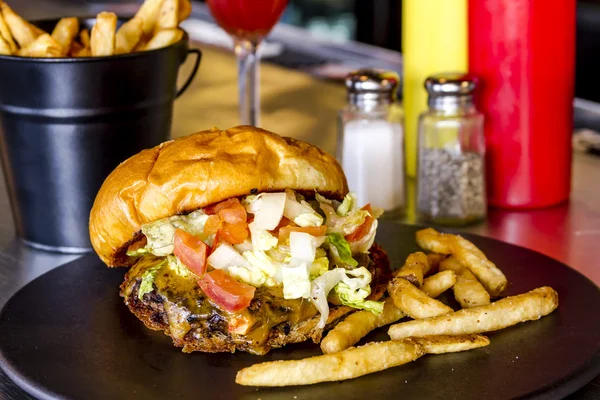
[{"x": 248, "y": 22}]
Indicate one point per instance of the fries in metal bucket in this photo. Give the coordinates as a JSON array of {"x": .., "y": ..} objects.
[
  {"x": 129, "y": 35},
  {"x": 65, "y": 32},
  {"x": 6, "y": 35},
  {"x": 164, "y": 38},
  {"x": 102, "y": 40},
  {"x": 501, "y": 314},
  {"x": 43, "y": 46},
  {"x": 22, "y": 31}
]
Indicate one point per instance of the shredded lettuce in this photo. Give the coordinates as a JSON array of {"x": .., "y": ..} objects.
[
  {"x": 341, "y": 224},
  {"x": 364, "y": 244},
  {"x": 177, "y": 266},
  {"x": 159, "y": 234},
  {"x": 355, "y": 279},
  {"x": 308, "y": 219},
  {"x": 340, "y": 249},
  {"x": 296, "y": 281},
  {"x": 136, "y": 253},
  {"x": 262, "y": 239},
  {"x": 357, "y": 298},
  {"x": 263, "y": 269},
  {"x": 347, "y": 205},
  {"x": 148, "y": 279},
  {"x": 319, "y": 267}
]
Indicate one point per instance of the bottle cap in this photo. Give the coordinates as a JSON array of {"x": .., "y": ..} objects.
[
  {"x": 369, "y": 85},
  {"x": 450, "y": 89}
]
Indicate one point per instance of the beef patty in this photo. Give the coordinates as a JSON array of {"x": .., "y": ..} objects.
[{"x": 179, "y": 308}]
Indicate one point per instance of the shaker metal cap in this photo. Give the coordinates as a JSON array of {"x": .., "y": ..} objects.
[
  {"x": 450, "y": 84},
  {"x": 373, "y": 85}
]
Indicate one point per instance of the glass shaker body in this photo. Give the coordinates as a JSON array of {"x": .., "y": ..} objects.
[
  {"x": 451, "y": 175},
  {"x": 370, "y": 148}
]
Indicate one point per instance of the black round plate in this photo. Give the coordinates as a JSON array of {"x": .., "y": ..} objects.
[{"x": 68, "y": 335}]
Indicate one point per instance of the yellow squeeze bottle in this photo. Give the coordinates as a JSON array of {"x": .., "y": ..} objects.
[{"x": 434, "y": 39}]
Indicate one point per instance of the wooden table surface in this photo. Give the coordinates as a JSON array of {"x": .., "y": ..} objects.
[{"x": 297, "y": 105}]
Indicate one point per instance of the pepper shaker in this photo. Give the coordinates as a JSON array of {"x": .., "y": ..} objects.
[
  {"x": 451, "y": 176},
  {"x": 371, "y": 140}
]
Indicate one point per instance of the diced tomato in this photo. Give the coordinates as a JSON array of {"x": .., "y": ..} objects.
[
  {"x": 212, "y": 225},
  {"x": 225, "y": 291},
  {"x": 284, "y": 231},
  {"x": 283, "y": 222},
  {"x": 234, "y": 233},
  {"x": 364, "y": 229},
  {"x": 215, "y": 208},
  {"x": 138, "y": 245},
  {"x": 233, "y": 215},
  {"x": 191, "y": 251},
  {"x": 216, "y": 242},
  {"x": 241, "y": 323}
]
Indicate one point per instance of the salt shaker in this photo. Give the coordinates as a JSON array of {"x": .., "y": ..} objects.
[
  {"x": 371, "y": 140},
  {"x": 451, "y": 176}
]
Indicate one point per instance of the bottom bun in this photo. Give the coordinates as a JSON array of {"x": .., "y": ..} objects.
[{"x": 178, "y": 307}]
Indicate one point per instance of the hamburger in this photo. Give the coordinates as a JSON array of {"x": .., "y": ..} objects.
[{"x": 238, "y": 240}]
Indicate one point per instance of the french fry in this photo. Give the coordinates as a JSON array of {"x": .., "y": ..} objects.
[
  {"x": 347, "y": 364},
  {"x": 414, "y": 268},
  {"x": 129, "y": 35},
  {"x": 148, "y": 13},
  {"x": 164, "y": 38},
  {"x": 22, "y": 31},
  {"x": 64, "y": 33},
  {"x": 43, "y": 46},
  {"x": 467, "y": 290},
  {"x": 450, "y": 344},
  {"x": 83, "y": 52},
  {"x": 413, "y": 301},
  {"x": 438, "y": 283},
  {"x": 102, "y": 41},
  {"x": 6, "y": 35},
  {"x": 4, "y": 47},
  {"x": 168, "y": 16},
  {"x": 434, "y": 261},
  {"x": 185, "y": 9},
  {"x": 491, "y": 317},
  {"x": 468, "y": 254},
  {"x": 84, "y": 37},
  {"x": 357, "y": 325}
]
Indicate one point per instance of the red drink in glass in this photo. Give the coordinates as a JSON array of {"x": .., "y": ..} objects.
[
  {"x": 247, "y": 19},
  {"x": 248, "y": 22}
]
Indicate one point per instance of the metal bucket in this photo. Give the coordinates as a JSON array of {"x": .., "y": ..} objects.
[{"x": 66, "y": 123}]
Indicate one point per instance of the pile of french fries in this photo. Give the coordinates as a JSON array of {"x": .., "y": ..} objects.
[
  {"x": 453, "y": 263},
  {"x": 155, "y": 25}
]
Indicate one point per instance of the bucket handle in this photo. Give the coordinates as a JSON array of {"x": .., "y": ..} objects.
[{"x": 193, "y": 73}]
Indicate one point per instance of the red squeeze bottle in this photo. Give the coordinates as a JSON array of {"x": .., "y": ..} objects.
[{"x": 523, "y": 51}]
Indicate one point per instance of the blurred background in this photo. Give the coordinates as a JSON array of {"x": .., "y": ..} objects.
[{"x": 378, "y": 22}]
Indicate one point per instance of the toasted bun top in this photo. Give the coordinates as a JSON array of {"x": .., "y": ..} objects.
[{"x": 192, "y": 172}]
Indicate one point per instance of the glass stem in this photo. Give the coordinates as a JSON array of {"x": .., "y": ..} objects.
[{"x": 248, "y": 78}]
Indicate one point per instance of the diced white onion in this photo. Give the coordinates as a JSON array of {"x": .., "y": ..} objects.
[
  {"x": 226, "y": 256},
  {"x": 243, "y": 247},
  {"x": 293, "y": 208},
  {"x": 270, "y": 210},
  {"x": 261, "y": 238},
  {"x": 303, "y": 247}
]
